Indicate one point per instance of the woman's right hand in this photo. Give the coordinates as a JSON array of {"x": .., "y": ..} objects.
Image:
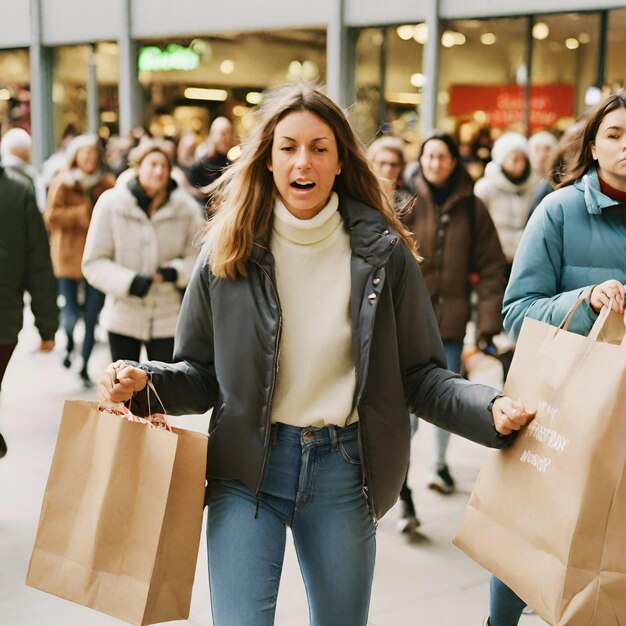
[
  {"x": 602, "y": 294},
  {"x": 119, "y": 381}
]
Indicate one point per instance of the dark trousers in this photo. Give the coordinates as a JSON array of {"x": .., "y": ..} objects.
[
  {"x": 6, "y": 350},
  {"x": 129, "y": 348}
]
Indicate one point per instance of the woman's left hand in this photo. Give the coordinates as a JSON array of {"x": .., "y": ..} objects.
[{"x": 509, "y": 415}]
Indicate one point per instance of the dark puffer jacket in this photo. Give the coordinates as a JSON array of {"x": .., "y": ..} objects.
[
  {"x": 24, "y": 261},
  {"x": 227, "y": 344},
  {"x": 457, "y": 240}
]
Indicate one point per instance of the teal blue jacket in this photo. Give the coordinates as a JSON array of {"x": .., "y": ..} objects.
[{"x": 575, "y": 238}]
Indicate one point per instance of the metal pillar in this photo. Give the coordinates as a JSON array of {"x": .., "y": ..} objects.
[
  {"x": 337, "y": 57},
  {"x": 430, "y": 90},
  {"x": 41, "y": 109},
  {"x": 93, "y": 96},
  {"x": 129, "y": 91}
]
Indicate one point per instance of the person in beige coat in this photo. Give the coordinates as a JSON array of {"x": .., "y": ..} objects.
[
  {"x": 140, "y": 252},
  {"x": 71, "y": 198}
]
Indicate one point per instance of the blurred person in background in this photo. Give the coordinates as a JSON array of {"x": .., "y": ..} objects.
[
  {"x": 58, "y": 160},
  {"x": 461, "y": 251},
  {"x": 140, "y": 252},
  {"x": 212, "y": 155},
  {"x": 71, "y": 199},
  {"x": 186, "y": 154},
  {"x": 386, "y": 155},
  {"x": 116, "y": 152},
  {"x": 505, "y": 189},
  {"x": 304, "y": 259},
  {"x": 575, "y": 243},
  {"x": 15, "y": 155},
  {"x": 25, "y": 266},
  {"x": 540, "y": 145},
  {"x": 558, "y": 162}
]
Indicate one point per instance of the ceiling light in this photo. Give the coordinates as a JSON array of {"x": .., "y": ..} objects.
[
  {"x": 227, "y": 66},
  {"x": 254, "y": 97},
  {"x": 459, "y": 39},
  {"x": 540, "y": 30},
  {"x": 405, "y": 32},
  {"x": 584, "y": 38},
  {"x": 448, "y": 39},
  {"x": 197, "y": 93},
  {"x": 417, "y": 80},
  {"x": 572, "y": 43},
  {"x": 420, "y": 33},
  {"x": 488, "y": 39}
]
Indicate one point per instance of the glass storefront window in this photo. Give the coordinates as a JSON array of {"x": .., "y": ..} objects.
[
  {"x": 615, "y": 67},
  {"x": 368, "y": 78},
  {"x": 189, "y": 82},
  {"x": 564, "y": 67},
  {"x": 388, "y": 80},
  {"x": 481, "y": 77},
  {"x": 108, "y": 73},
  {"x": 14, "y": 89}
]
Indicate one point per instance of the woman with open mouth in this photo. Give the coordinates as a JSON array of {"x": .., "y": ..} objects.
[{"x": 308, "y": 329}]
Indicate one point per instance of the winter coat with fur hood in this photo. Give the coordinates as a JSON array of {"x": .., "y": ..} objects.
[{"x": 123, "y": 242}]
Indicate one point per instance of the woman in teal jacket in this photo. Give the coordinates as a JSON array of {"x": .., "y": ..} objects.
[{"x": 575, "y": 242}]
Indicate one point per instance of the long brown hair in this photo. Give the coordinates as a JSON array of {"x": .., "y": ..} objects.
[
  {"x": 585, "y": 158},
  {"x": 242, "y": 199}
]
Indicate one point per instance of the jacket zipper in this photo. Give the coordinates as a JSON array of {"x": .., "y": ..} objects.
[{"x": 268, "y": 423}]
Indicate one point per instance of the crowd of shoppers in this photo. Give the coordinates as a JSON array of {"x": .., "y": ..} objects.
[{"x": 383, "y": 271}]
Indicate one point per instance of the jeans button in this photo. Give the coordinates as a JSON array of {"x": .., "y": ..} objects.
[{"x": 307, "y": 435}]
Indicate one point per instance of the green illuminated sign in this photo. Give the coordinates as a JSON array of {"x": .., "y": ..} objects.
[{"x": 174, "y": 57}]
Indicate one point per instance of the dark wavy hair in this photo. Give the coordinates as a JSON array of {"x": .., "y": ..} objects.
[{"x": 585, "y": 158}]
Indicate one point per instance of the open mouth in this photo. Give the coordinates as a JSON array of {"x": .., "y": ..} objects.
[{"x": 302, "y": 184}]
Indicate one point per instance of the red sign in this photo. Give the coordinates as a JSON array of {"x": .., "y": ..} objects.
[{"x": 504, "y": 104}]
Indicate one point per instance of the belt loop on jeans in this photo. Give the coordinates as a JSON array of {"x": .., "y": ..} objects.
[
  {"x": 334, "y": 440},
  {"x": 274, "y": 434}
]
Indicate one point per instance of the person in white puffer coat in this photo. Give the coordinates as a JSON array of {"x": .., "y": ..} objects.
[
  {"x": 140, "y": 252},
  {"x": 506, "y": 189}
]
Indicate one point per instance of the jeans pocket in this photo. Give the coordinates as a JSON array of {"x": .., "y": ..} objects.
[{"x": 349, "y": 449}]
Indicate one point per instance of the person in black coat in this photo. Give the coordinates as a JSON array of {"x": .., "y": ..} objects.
[{"x": 24, "y": 266}]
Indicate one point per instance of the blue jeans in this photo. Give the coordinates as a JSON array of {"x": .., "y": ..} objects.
[
  {"x": 71, "y": 311},
  {"x": 505, "y": 606},
  {"x": 314, "y": 485},
  {"x": 453, "y": 351}
]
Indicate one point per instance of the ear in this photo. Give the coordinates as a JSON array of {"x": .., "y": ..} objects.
[
  {"x": 338, "y": 170},
  {"x": 592, "y": 145},
  {"x": 269, "y": 166}
]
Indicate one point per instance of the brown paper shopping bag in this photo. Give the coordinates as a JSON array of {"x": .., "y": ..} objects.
[
  {"x": 121, "y": 517},
  {"x": 548, "y": 515}
]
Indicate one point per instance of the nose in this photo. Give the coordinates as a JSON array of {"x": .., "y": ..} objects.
[{"x": 303, "y": 159}]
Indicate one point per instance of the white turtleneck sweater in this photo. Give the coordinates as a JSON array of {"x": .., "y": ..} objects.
[{"x": 316, "y": 379}]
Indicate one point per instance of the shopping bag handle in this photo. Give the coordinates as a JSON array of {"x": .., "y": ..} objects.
[
  {"x": 602, "y": 320},
  {"x": 150, "y": 387},
  {"x": 568, "y": 318}
]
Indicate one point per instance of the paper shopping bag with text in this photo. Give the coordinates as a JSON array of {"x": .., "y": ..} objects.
[
  {"x": 121, "y": 517},
  {"x": 548, "y": 515}
]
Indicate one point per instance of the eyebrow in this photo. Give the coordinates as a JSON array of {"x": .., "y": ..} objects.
[
  {"x": 312, "y": 140},
  {"x": 614, "y": 128}
]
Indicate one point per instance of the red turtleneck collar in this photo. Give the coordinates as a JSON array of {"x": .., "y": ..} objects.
[{"x": 615, "y": 194}]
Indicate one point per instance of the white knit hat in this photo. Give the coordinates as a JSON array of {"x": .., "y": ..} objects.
[
  {"x": 541, "y": 138},
  {"x": 507, "y": 143}
]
